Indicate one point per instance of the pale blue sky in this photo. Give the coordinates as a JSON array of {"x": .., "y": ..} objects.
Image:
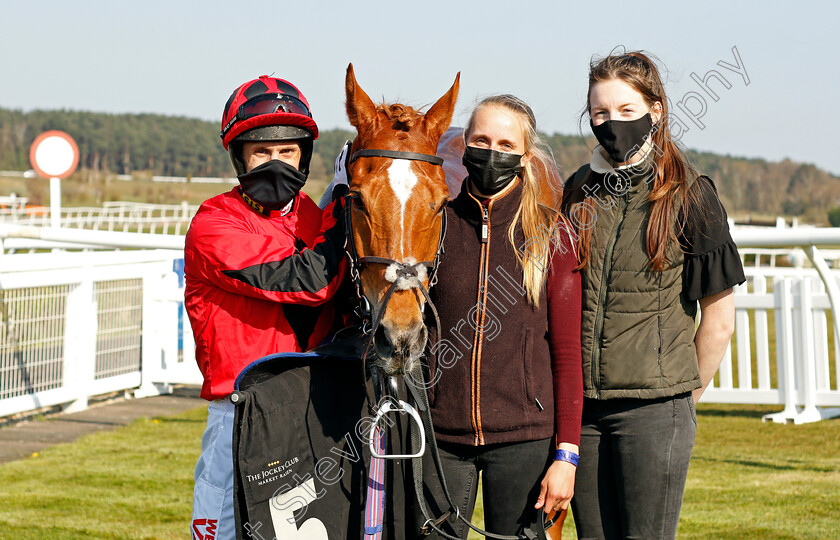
[{"x": 185, "y": 57}]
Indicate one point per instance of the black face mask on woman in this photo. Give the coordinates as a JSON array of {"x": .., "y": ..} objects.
[
  {"x": 620, "y": 137},
  {"x": 491, "y": 171},
  {"x": 273, "y": 184}
]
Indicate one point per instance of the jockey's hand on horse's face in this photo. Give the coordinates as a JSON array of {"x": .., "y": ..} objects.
[
  {"x": 340, "y": 182},
  {"x": 340, "y": 167}
]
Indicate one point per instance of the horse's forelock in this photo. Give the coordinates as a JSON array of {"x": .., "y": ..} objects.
[{"x": 401, "y": 116}]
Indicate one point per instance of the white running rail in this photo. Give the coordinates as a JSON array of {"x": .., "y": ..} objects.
[
  {"x": 111, "y": 216},
  {"x": 78, "y": 324},
  {"x": 75, "y": 325}
]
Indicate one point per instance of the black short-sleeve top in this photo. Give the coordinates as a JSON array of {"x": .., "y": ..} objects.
[{"x": 712, "y": 263}]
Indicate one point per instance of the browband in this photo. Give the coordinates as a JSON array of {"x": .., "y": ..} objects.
[{"x": 396, "y": 154}]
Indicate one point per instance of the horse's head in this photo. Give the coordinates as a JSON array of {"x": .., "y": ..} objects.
[{"x": 397, "y": 211}]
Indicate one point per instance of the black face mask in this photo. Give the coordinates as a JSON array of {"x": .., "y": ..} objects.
[
  {"x": 622, "y": 137},
  {"x": 491, "y": 171},
  {"x": 273, "y": 184}
]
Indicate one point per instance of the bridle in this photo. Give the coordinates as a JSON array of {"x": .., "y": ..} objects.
[
  {"x": 410, "y": 274},
  {"x": 407, "y": 274},
  {"x": 402, "y": 275}
]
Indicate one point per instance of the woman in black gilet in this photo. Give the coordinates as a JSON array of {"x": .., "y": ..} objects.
[{"x": 653, "y": 243}]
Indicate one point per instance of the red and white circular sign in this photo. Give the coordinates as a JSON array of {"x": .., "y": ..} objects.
[{"x": 54, "y": 154}]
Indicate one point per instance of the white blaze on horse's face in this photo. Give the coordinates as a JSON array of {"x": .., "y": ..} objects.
[{"x": 402, "y": 181}]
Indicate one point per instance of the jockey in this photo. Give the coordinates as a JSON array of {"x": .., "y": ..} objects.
[{"x": 262, "y": 262}]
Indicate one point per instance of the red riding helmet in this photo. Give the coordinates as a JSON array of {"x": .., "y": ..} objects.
[{"x": 267, "y": 109}]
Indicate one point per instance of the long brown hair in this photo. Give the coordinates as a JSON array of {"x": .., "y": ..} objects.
[
  {"x": 537, "y": 219},
  {"x": 672, "y": 172}
]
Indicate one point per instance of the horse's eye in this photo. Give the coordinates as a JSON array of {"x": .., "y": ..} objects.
[{"x": 358, "y": 204}]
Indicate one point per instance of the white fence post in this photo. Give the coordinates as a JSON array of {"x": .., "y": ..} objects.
[
  {"x": 742, "y": 341},
  {"x": 821, "y": 341},
  {"x": 176, "y": 368},
  {"x": 785, "y": 366},
  {"x": 153, "y": 357},
  {"x": 808, "y": 362},
  {"x": 167, "y": 317},
  {"x": 807, "y": 355},
  {"x": 762, "y": 337},
  {"x": 80, "y": 342}
]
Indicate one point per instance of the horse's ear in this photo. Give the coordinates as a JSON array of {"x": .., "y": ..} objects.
[
  {"x": 360, "y": 107},
  {"x": 440, "y": 115}
]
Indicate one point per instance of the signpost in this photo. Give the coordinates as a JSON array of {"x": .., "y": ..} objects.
[{"x": 54, "y": 155}]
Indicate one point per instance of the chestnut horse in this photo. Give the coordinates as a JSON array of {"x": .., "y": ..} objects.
[
  {"x": 396, "y": 217},
  {"x": 399, "y": 193}
]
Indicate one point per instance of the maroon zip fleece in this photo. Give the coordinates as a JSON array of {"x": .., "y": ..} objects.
[{"x": 498, "y": 374}]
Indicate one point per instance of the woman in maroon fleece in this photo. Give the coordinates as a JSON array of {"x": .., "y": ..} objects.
[{"x": 505, "y": 392}]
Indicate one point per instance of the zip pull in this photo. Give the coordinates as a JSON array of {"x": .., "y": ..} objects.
[{"x": 485, "y": 224}]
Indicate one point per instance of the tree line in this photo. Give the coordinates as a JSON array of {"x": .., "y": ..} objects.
[{"x": 154, "y": 144}]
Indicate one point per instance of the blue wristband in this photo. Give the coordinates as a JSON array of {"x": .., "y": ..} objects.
[{"x": 565, "y": 455}]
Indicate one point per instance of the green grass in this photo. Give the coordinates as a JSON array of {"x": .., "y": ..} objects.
[
  {"x": 135, "y": 482},
  {"x": 753, "y": 480},
  {"x": 747, "y": 480}
]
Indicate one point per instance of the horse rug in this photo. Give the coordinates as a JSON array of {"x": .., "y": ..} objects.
[{"x": 301, "y": 453}]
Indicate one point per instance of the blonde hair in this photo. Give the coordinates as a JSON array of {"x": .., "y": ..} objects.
[{"x": 537, "y": 219}]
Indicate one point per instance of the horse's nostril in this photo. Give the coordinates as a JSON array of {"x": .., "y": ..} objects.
[
  {"x": 417, "y": 341},
  {"x": 382, "y": 343},
  {"x": 424, "y": 334}
]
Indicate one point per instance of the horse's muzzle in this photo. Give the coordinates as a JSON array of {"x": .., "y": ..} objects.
[{"x": 397, "y": 349}]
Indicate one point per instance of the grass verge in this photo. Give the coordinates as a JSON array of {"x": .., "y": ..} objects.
[
  {"x": 132, "y": 483},
  {"x": 747, "y": 480}
]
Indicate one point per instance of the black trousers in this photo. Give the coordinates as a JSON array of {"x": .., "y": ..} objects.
[
  {"x": 633, "y": 465},
  {"x": 511, "y": 476}
]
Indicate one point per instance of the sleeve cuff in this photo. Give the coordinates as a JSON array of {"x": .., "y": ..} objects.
[{"x": 712, "y": 272}]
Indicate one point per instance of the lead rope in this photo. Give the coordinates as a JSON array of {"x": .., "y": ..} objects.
[{"x": 375, "y": 500}]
